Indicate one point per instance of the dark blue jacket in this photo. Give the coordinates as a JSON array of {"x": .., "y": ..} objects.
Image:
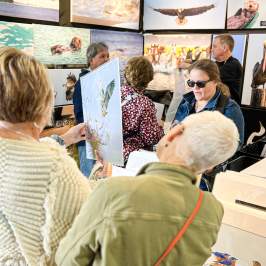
[
  {"x": 77, "y": 101},
  {"x": 230, "y": 110}
]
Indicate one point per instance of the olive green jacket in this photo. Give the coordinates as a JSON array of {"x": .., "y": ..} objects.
[{"x": 130, "y": 221}]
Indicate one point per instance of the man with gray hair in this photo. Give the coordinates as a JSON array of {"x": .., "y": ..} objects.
[
  {"x": 97, "y": 54},
  {"x": 231, "y": 71},
  {"x": 132, "y": 221}
]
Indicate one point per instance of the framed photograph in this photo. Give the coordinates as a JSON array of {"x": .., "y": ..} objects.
[
  {"x": 101, "y": 101},
  {"x": 112, "y": 13},
  {"x": 47, "y": 10},
  {"x": 17, "y": 35},
  {"x": 171, "y": 55},
  {"x": 254, "y": 88},
  {"x": 240, "y": 45},
  {"x": 183, "y": 14},
  {"x": 123, "y": 45},
  {"x": 62, "y": 45},
  {"x": 63, "y": 82},
  {"x": 246, "y": 14}
]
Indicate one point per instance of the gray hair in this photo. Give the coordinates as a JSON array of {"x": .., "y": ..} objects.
[
  {"x": 209, "y": 138},
  {"x": 94, "y": 49}
]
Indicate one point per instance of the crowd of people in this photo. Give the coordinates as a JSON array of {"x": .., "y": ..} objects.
[{"x": 51, "y": 213}]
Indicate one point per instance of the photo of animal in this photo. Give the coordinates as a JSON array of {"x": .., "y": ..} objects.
[
  {"x": 182, "y": 13},
  {"x": 246, "y": 14},
  {"x": 63, "y": 82},
  {"x": 63, "y": 45},
  {"x": 254, "y": 88},
  {"x": 193, "y": 14},
  {"x": 47, "y": 10},
  {"x": 171, "y": 55},
  {"x": 114, "y": 13}
]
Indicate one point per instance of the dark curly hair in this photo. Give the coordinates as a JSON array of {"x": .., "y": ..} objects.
[{"x": 138, "y": 72}]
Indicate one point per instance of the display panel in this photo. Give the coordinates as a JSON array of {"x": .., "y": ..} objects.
[
  {"x": 254, "y": 88},
  {"x": 246, "y": 14},
  {"x": 183, "y": 14},
  {"x": 123, "y": 45},
  {"x": 170, "y": 55},
  {"x": 61, "y": 45},
  {"x": 63, "y": 82},
  {"x": 239, "y": 48},
  {"x": 47, "y": 10},
  {"x": 113, "y": 13},
  {"x": 101, "y": 102},
  {"x": 17, "y": 35}
]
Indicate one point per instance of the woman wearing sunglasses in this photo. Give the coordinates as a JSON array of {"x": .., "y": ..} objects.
[{"x": 209, "y": 93}]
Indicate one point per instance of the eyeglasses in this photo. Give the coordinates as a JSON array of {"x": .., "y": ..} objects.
[{"x": 199, "y": 83}]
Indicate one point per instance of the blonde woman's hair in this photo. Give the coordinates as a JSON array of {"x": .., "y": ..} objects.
[
  {"x": 209, "y": 138},
  {"x": 25, "y": 92},
  {"x": 138, "y": 72}
]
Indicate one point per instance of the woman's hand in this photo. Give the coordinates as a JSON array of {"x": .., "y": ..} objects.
[{"x": 74, "y": 134}]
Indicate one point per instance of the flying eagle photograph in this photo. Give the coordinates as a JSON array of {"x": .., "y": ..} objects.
[{"x": 184, "y": 14}]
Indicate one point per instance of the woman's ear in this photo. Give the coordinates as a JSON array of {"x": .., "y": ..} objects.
[{"x": 174, "y": 132}]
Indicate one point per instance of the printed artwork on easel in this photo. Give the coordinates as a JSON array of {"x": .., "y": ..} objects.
[
  {"x": 63, "y": 82},
  {"x": 171, "y": 55},
  {"x": 61, "y": 45},
  {"x": 101, "y": 101},
  {"x": 254, "y": 88},
  {"x": 113, "y": 13},
  {"x": 246, "y": 14},
  {"x": 123, "y": 45},
  {"x": 183, "y": 14},
  {"x": 17, "y": 35},
  {"x": 239, "y": 48},
  {"x": 32, "y": 9}
]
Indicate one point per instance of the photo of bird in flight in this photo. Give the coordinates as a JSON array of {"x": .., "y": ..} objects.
[{"x": 182, "y": 13}]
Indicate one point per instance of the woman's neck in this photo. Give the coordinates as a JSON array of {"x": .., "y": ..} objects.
[{"x": 25, "y": 130}]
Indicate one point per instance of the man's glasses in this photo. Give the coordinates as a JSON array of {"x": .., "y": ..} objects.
[{"x": 199, "y": 83}]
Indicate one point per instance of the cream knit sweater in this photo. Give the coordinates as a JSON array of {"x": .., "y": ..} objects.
[{"x": 41, "y": 192}]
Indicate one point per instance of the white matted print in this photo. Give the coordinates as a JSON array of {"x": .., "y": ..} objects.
[
  {"x": 183, "y": 14},
  {"x": 246, "y": 14},
  {"x": 63, "y": 82},
  {"x": 254, "y": 88},
  {"x": 101, "y": 100}
]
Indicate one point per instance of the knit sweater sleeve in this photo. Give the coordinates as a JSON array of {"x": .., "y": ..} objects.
[{"x": 68, "y": 190}]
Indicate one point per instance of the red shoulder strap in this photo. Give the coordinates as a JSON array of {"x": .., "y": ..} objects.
[{"x": 182, "y": 231}]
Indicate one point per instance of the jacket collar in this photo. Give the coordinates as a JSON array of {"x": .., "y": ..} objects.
[
  {"x": 191, "y": 100},
  {"x": 168, "y": 170}
]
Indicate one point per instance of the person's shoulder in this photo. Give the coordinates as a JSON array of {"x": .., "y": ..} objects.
[
  {"x": 235, "y": 61},
  {"x": 213, "y": 208},
  {"x": 232, "y": 104}
]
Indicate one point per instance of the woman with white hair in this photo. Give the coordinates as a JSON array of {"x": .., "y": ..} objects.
[
  {"x": 42, "y": 189},
  {"x": 132, "y": 221}
]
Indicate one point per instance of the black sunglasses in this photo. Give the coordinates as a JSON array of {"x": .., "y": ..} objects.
[{"x": 199, "y": 83}]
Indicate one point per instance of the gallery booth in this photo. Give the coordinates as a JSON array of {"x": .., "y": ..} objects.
[{"x": 172, "y": 35}]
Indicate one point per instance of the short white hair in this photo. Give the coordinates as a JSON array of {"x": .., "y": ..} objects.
[{"x": 209, "y": 138}]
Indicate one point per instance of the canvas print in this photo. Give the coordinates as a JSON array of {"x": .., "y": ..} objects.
[
  {"x": 62, "y": 45},
  {"x": 193, "y": 14},
  {"x": 101, "y": 100},
  {"x": 171, "y": 55},
  {"x": 254, "y": 88},
  {"x": 240, "y": 45},
  {"x": 123, "y": 45},
  {"x": 63, "y": 82},
  {"x": 113, "y": 13},
  {"x": 17, "y": 35},
  {"x": 246, "y": 14},
  {"x": 32, "y": 9}
]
